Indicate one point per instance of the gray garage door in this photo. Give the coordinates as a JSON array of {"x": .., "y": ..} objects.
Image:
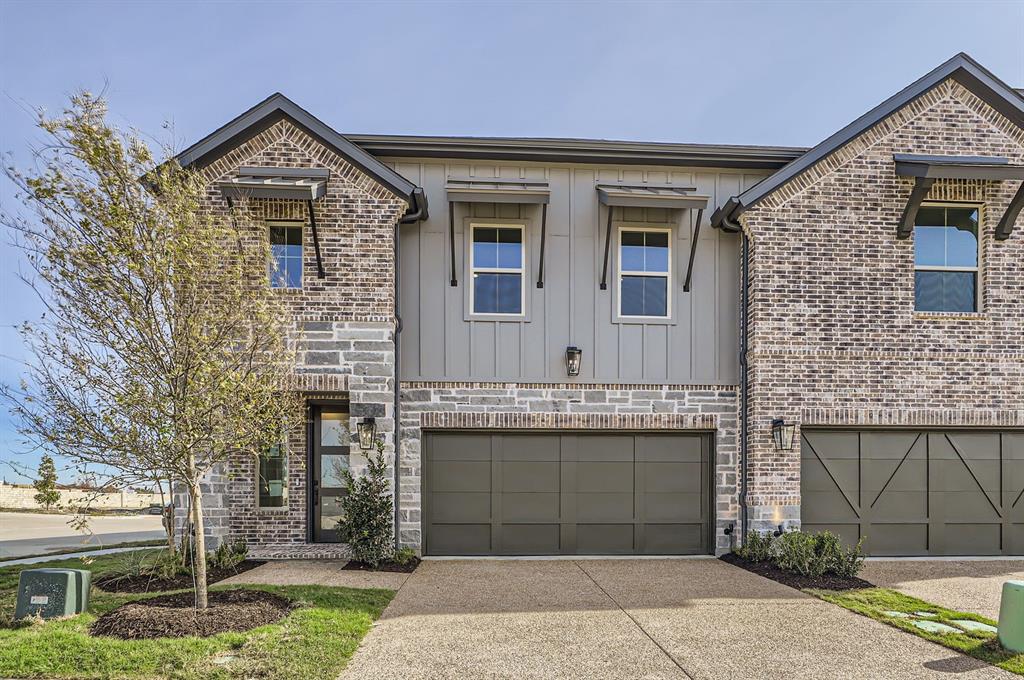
[
  {"x": 916, "y": 492},
  {"x": 553, "y": 494}
]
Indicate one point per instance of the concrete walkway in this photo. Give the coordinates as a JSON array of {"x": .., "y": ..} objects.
[
  {"x": 316, "y": 573},
  {"x": 965, "y": 585},
  {"x": 632, "y": 619}
]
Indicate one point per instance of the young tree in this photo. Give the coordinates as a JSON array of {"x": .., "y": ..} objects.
[
  {"x": 46, "y": 483},
  {"x": 162, "y": 352}
]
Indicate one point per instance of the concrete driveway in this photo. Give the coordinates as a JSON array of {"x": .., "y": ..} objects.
[
  {"x": 965, "y": 585},
  {"x": 695, "y": 618},
  {"x": 25, "y": 533}
]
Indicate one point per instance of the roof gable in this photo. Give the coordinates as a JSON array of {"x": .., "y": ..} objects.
[
  {"x": 275, "y": 108},
  {"x": 961, "y": 68}
]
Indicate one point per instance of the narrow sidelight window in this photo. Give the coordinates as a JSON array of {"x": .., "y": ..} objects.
[
  {"x": 273, "y": 478},
  {"x": 496, "y": 262},
  {"x": 286, "y": 255},
  {"x": 644, "y": 273},
  {"x": 946, "y": 259}
]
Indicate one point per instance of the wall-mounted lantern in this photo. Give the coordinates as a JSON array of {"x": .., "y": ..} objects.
[
  {"x": 367, "y": 433},
  {"x": 573, "y": 359},
  {"x": 783, "y": 434}
]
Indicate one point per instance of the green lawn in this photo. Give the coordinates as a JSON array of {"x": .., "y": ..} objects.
[
  {"x": 314, "y": 641},
  {"x": 880, "y": 603}
]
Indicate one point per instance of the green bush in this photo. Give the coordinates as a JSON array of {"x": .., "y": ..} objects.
[
  {"x": 404, "y": 556},
  {"x": 851, "y": 561},
  {"x": 228, "y": 555},
  {"x": 368, "y": 514},
  {"x": 798, "y": 552},
  {"x": 757, "y": 547}
]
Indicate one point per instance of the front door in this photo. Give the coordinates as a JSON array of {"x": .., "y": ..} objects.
[{"x": 330, "y": 457}]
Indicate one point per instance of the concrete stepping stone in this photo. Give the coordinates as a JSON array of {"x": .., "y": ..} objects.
[
  {"x": 935, "y": 627},
  {"x": 926, "y": 615},
  {"x": 967, "y": 624},
  {"x": 897, "y": 615}
]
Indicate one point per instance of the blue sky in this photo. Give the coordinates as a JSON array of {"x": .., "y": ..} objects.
[{"x": 725, "y": 72}]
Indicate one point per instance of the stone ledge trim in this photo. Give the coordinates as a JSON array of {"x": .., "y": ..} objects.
[
  {"x": 943, "y": 418},
  {"x": 448, "y": 420},
  {"x": 466, "y": 385},
  {"x": 319, "y": 382}
]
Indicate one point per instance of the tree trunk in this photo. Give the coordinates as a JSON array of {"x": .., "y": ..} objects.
[
  {"x": 199, "y": 551},
  {"x": 167, "y": 513}
]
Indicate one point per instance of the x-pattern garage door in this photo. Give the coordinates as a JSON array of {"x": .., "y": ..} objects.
[{"x": 916, "y": 492}]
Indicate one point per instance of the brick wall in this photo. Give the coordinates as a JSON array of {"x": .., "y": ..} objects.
[
  {"x": 344, "y": 321},
  {"x": 510, "y": 406},
  {"x": 835, "y": 339}
]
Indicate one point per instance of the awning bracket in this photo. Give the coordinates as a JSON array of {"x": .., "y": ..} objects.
[
  {"x": 316, "y": 241},
  {"x": 543, "y": 235},
  {"x": 451, "y": 240},
  {"x": 693, "y": 250},
  {"x": 607, "y": 248},
  {"x": 922, "y": 185},
  {"x": 1005, "y": 227}
]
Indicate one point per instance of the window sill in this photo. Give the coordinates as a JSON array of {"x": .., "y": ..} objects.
[
  {"x": 287, "y": 291},
  {"x": 506, "y": 318},
  {"x": 644, "y": 321},
  {"x": 951, "y": 316},
  {"x": 272, "y": 511}
]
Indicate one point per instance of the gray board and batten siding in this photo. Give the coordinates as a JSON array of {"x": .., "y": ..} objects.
[{"x": 440, "y": 341}]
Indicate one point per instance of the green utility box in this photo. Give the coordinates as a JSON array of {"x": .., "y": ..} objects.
[
  {"x": 51, "y": 593},
  {"x": 1011, "y": 616}
]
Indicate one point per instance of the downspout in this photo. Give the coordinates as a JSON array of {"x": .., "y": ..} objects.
[
  {"x": 726, "y": 219},
  {"x": 417, "y": 212}
]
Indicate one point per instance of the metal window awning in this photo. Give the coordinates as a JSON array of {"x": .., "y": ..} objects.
[
  {"x": 926, "y": 169},
  {"x": 297, "y": 184},
  {"x": 498, "y": 190},
  {"x": 301, "y": 184},
  {"x": 625, "y": 195}
]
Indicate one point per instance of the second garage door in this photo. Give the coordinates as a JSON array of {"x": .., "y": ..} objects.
[
  {"x": 565, "y": 493},
  {"x": 916, "y": 492}
]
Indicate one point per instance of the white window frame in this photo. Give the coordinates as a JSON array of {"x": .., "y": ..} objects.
[
  {"x": 940, "y": 268},
  {"x": 667, "y": 275},
  {"x": 521, "y": 270},
  {"x": 290, "y": 224}
]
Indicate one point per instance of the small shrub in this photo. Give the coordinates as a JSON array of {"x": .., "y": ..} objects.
[
  {"x": 165, "y": 566},
  {"x": 757, "y": 547},
  {"x": 851, "y": 561},
  {"x": 132, "y": 563},
  {"x": 228, "y": 555},
  {"x": 404, "y": 556},
  {"x": 368, "y": 513},
  {"x": 797, "y": 552}
]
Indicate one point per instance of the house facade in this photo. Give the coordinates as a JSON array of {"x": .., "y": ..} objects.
[{"x": 593, "y": 347}]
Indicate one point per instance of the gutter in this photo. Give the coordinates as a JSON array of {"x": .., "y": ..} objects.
[
  {"x": 416, "y": 213},
  {"x": 744, "y": 324}
]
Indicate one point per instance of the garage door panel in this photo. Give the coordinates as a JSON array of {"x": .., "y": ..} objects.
[
  {"x": 460, "y": 539},
  {"x": 971, "y": 539},
  {"x": 605, "y": 539},
  {"x": 604, "y": 507},
  {"x": 461, "y": 507},
  {"x": 673, "y": 539},
  {"x": 529, "y": 507},
  {"x": 664, "y": 507},
  {"x": 672, "y": 477},
  {"x": 604, "y": 477},
  {"x": 922, "y": 492},
  {"x": 565, "y": 493},
  {"x": 519, "y": 476},
  {"x": 461, "y": 476},
  {"x": 529, "y": 539}
]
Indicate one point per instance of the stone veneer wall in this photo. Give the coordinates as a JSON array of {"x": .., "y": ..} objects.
[
  {"x": 510, "y": 406},
  {"x": 344, "y": 322},
  {"x": 835, "y": 338}
]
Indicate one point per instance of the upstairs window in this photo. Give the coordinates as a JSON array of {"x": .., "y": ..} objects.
[
  {"x": 644, "y": 273},
  {"x": 286, "y": 255},
  {"x": 496, "y": 266},
  {"x": 946, "y": 259},
  {"x": 273, "y": 478}
]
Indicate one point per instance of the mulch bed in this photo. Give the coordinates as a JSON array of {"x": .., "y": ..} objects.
[
  {"x": 148, "y": 584},
  {"x": 769, "y": 570},
  {"x": 406, "y": 568},
  {"x": 175, "y": 615}
]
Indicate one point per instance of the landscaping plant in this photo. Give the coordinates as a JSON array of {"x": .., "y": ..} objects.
[
  {"x": 228, "y": 555},
  {"x": 367, "y": 512},
  {"x": 163, "y": 351},
  {"x": 757, "y": 547},
  {"x": 46, "y": 484}
]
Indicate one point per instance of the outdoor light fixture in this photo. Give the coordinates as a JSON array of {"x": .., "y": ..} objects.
[
  {"x": 367, "y": 431},
  {"x": 573, "y": 359},
  {"x": 728, "y": 530},
  {"x": 778, "y": 532},
  {"x": 782, "y": 433}
]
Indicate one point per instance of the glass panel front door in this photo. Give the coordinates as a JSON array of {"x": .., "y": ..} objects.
[{"x": 330, "y": 458}]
